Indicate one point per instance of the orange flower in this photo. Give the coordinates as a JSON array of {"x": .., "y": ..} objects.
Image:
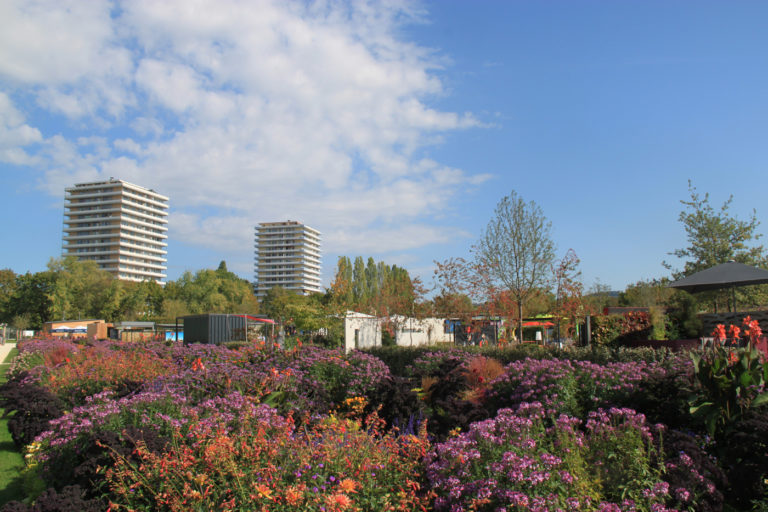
[
  {"x": 293, "y": 496},
  {"x": 752, "y": 329},
  {"x": 733, "y": 358},
  {"x": 348, "y": 485},
  {"x": 719, "y": 332},
  {"x": 265, "y": 491},
  {"x": 339, "y": 501}
]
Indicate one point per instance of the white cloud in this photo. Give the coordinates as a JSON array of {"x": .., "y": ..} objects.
[
  {"x": 67, "y": 52},
  {"x": 243, "y": 111},
  {"x": 389, "y": 240},
  {"x": 15, "y": 134}
]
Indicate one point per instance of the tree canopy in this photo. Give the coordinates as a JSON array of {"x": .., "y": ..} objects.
[
  {"x": 374, "y": 288},
  {"x": 715, "y": 236},
  {"x": 71, "y": 289},
  {"x": 516, "y": 250}
]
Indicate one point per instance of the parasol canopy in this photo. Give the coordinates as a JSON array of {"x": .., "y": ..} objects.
[{"x": 725, "y": 275}]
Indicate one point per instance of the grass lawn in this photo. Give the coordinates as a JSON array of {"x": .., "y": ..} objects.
[{"x": 11, "y": 461}]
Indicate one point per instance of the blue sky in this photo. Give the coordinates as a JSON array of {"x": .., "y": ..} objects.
[{"x": 392, "y": 127}]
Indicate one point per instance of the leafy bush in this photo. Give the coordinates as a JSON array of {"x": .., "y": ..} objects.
[
  {"x": 684, "y": 321},
  {"x": 445, "y": 385},
  {"x": 396, "y": 402},
  {"x": 568, "y": 387},
  {"x": 270, "y": 464},
  {"x": 663, "y": 396},
  {"x": 84, "y": 466},
  {"x": 31, "y": 407},
  {"x": 744, "y": 456},
  {"x": 70, "y": 499},
  {"x": 730, "y": 382},
  {"x": 694, "y": 478},
  {"x": 619, "y": 329},
  {"x": 520, "y": 460},
  {"x": 98, "y": 368}
]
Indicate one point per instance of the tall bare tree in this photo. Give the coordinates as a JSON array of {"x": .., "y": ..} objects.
[{"x": 517, "y": 250}]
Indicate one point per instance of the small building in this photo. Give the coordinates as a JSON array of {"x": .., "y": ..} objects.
[
  {"x": 133, "y": 331},
  {"x": 361, "y": 331},
  {"x": 411, "y": 332},
  {"x": 217, "y": 328},
  {"x": 76, "y": 328}
]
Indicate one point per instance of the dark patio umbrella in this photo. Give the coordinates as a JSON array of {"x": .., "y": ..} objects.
[{"x": 725, "y": 275}]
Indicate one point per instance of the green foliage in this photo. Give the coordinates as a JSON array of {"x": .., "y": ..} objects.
[
  {"x": 210, "y": 291},
  {"x": 11, "y": 461},
  {"x": 80, "y": 288},
  {"x": 387, "y": 339},
  {"x": 714, "y": 237},
  {"x": 646, "y": 294},
  {"x": 658, "y": 323},
  {"x": 618, "y": 329},
  {"x": 730, "y": 382},
  {"x": 28, "y": 304},
  {"x": 684, "y": 322}
]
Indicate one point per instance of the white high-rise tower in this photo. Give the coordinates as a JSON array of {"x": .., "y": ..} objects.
[
  {"x": 287, "y": 255},
  {"x": 120, "y": 226}
]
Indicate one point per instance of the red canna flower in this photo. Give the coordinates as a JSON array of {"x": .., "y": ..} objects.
[
  {"x": 719, "y": 333},
  {"x": 733, "y": 333}
]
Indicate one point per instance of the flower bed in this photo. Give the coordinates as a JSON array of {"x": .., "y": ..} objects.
[{"x": 257, "y": 428}]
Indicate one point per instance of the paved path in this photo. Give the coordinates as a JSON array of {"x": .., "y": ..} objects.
[{"x": 5, "y": 349}]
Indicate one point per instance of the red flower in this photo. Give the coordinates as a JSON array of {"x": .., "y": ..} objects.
[
  {"x": 733, "y": 333},
  {"x": 719, "y": 333}
]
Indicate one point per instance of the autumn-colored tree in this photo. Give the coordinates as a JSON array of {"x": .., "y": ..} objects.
[
  {"x": 340, "y": 291},
  {"x": 570, "y": 306},
  {"x": 375, "y": 288}
]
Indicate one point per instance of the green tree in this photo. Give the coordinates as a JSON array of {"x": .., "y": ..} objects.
[
  {"x": 80, "y": 288},
  {"x": 212, "y": 291},
  {"x": 276, "y": 303},
  {"x": 646, "y": 294},
  {"x": 359, "y": 282},
  {"x": 599, "y": 296},
  {"x": 8, "y": 285},
  {"x": 516, "y": 250},
  {"x": 31, "y": 300},
  {"x": 714, "y": 236}
]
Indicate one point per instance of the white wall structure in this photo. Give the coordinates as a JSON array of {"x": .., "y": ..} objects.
[
  {"x": 120, "y": 226},
  {"x": 287, "y": 254},
  {"x": 412, "y": 332},
  {"x": 361, "y": 331}
]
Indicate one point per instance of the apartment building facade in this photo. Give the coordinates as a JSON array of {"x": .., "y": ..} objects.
[
  {"x": 287, "y": 254},
  {"x": 120, "y": 226}
]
